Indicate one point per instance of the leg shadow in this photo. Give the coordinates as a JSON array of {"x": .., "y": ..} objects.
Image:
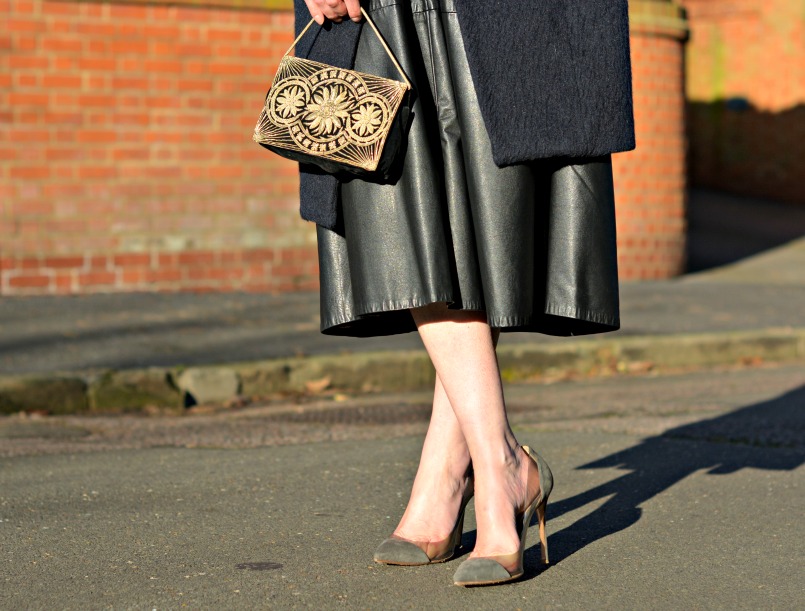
[{"x": 768, "y": 435}]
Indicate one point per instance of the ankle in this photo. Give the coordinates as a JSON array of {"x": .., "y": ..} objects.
[{"x": 506, "y": 457}]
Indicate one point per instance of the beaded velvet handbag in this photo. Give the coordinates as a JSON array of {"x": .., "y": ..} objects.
[{"x": 338, "y": 119}]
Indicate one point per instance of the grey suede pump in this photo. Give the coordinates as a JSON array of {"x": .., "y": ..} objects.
[
  {"x": 508, "y": 567},
  {"x": 399, "y": 551}
]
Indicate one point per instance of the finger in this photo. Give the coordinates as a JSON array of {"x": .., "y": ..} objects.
[
  {"x": 334, "y": 10},
  {"x": 354, "y": 9},
  {"x": 315, "y": 12}
]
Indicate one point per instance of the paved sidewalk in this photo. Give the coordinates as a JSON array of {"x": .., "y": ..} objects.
[
  {"x": 66, "y": 354},
  {"x": 119, "y": 331}
]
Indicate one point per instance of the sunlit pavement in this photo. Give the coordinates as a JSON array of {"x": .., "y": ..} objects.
[{"x": 672, "y": 492}]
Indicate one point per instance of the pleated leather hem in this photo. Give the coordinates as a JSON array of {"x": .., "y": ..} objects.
[{"x": 392, "y": 318}]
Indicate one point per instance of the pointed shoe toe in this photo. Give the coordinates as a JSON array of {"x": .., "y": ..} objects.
[
  {"x": 399, "y": 551},
  {"x": 481, "y": 572},
  {"x": 396, "y": 550}
]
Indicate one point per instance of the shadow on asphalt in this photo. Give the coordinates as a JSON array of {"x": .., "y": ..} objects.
[{"x": 768, "y": 435}]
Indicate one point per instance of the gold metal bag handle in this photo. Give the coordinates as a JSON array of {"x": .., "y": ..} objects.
[{"x": 379, "y": 37}]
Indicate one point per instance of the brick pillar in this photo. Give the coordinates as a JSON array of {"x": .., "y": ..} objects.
[{"x": 650, "y": 181}]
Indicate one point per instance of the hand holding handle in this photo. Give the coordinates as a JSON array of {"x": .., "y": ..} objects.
[
  {"x": 334, "y": 10},
  {"x": 376, "y": 31}
]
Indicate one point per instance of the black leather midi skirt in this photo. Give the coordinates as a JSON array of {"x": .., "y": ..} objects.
[{"x": 531, "y": 245}]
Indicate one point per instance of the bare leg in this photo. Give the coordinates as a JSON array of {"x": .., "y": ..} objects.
[
  {"x": 441, "y": 477},
  {"x": 461, "y": 346}
]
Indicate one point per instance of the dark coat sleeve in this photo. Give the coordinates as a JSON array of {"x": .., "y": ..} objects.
[{"x": 335, "y": 44}]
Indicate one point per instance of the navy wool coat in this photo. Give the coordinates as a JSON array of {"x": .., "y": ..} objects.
[{"x": 553, "y": 79}]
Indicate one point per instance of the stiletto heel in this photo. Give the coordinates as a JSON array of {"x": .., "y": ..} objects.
[
  {"x": 508, "y": 567},
  {"x": 543, "y": 539},
  {"x": 399, "y": 551}
]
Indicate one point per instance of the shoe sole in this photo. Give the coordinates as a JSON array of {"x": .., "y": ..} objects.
[
  {"x": 414, "y": 563},
  {"x": 488, "y": 583}
]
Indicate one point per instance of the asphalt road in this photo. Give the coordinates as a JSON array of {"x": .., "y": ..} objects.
[{"x": 672, "y": 492}]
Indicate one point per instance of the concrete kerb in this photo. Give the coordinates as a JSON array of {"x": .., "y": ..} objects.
[{"x": 165, "y": 388}]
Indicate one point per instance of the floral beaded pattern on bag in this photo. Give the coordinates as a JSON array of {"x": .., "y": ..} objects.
[{"x": 332, "y": 117}]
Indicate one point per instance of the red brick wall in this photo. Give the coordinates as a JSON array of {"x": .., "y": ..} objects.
[
  {"x": 746, "y": 96},
  {"x": 127, "y": 160},
  {"x": 127, "y": 154}
]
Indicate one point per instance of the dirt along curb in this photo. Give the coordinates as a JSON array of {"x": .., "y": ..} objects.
[{"x": 176, "y": 388}]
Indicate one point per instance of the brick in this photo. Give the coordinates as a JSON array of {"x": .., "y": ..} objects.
[
  {"x": 165, "y": 49},
  {"x": 23, "y": 6},
  {"x": 132, "y": 260},
  {"x": 126, "y": 12},
  {"x": 98, "y": 262},
  {"x": 129, "y": 277},
  {"x": 214, "y": 273},
  {"x": 96, "y": 278},
  {"x": 23, "y": 80},
  {"x": 222, "y": 35},
  {"x": 61, "y": 80},
  {"x": 99, "y": 47},
  {"x": 163, "y": 83},
  {"x": 196, "y": 258},
  {"x": 151, "y": 31},
  {"x": 139, "y": 47},
  {"x": 195, "y": 85},
  {"x": 94, "y": 28},
  {"x": 131, "y": 65},
  {"x": 105, "y": 101},
  {"x": 163, "y": 102},
  {"x": 97, "y": 63},
  {"x": 30, "y": 172},
  {"x": 63, "y": 63},
  {"x": 24, "y": 25},
  {"x": 59, "y": 8},
  {"x": 63, "y": 283},
  {"x": 23, "y": 46},
  {"x": 226, "y": 69},
  {"x": 63, "y": 262},
  {"x": 62, "y": 45},
  {"x": 28, "y": 263},
  {"x": 163, "y": 275},
  {"x": 96, "y": 136},
  {"x": 97, "y": 172},
  {"x": 185, "y": 49},
  {"x": 129, "y": 82},
  {"x": 129, "y": 154},
  {"x": 162, "y": 65},
  {"x": 27, "y": 99},
  {"x": 29, "y": 281}
]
